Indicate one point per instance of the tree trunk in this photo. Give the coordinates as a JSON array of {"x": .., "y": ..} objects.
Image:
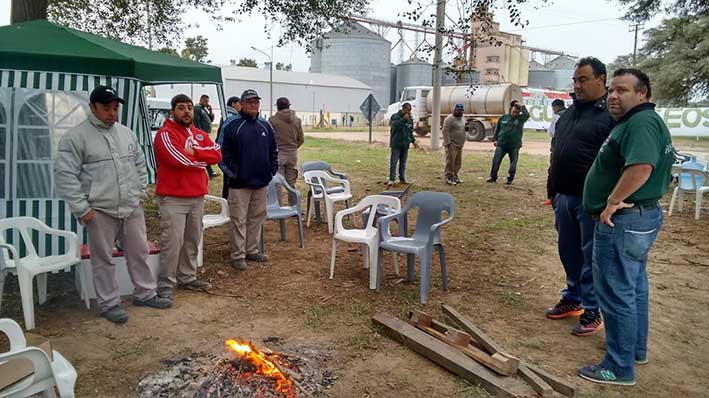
[{"x": 28, "y": 10}]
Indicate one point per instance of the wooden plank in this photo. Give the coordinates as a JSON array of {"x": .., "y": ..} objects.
[
  {"x": 471, "y": 329},
  {"x": 557, "y": 384},
  {"x": 480, "y": 336},
  {"x": 539, "y": 385},
  {"x": 452, "y": 359},
  {"x": 458, "y": 337}
]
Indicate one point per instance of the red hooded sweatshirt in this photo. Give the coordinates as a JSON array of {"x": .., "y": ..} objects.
[{"x": 179, "y": 173}]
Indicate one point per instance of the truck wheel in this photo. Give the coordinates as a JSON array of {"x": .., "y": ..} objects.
[
  {"x": 475, "y": 131},
  {"x": 420, "y": 131}
]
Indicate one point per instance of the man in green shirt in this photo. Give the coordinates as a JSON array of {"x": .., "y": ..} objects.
[
  {"x": 622, "y": 189},
  {"x": 402, "y": 134},
  {"x": 508, "y": 140}
]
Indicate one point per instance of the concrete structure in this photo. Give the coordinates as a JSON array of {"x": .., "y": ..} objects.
[
  {"x": 414, "y": 72},
  {"x": 354, "y": 51},
  {"x": 534, "y": 65},
  {"x": 310, "y": 93},
  {"x": 507, "y": 62},
  {"x": 562, "y": 62}
]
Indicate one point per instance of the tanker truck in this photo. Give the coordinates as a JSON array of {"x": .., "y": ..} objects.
[{"x": 483, "y": 106}]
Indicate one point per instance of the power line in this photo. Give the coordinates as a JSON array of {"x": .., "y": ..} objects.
[{"x": 563, "y": 24}]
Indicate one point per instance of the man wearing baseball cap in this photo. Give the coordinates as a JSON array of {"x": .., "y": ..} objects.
[
  {"x": 453, "y": 141},
  {"x": 100, "y": 173},
  {"x": 250, "y": 159}
]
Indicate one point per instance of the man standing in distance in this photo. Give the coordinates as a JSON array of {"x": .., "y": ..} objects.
[
  {"x": 203, "y": 118},
  {"x": 289, "y": 137},
  {"x": 454, "y": 137},
  {"x": 580, "y": 132},
  {"x": 508, "y": 140},
  {"x": 402, "y": 128},
  {"x": 630, "y": 174}
]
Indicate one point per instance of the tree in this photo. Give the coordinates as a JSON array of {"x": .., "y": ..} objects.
[
  {"x": 281, "y": 66},
  {"x": 643, "y": 10},
  {"x": 168, "y": 51},
  {"x": 195, "y": 49},
  {"x": 248, "y": 62},
  {"x": 625, "y": 61},
  {"x": 676, "y": 59}
]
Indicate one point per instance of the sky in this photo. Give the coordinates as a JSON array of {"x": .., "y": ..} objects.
[{"x": 591, "y": 27}]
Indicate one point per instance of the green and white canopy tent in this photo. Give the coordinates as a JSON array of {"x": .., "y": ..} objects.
[{"x": 46, "y": 74}]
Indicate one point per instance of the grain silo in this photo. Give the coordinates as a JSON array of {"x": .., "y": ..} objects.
[
  {"x": 414, "y": 72},
  {"x": 394, "y": 94},
  {"x": 354, "y": 51}
]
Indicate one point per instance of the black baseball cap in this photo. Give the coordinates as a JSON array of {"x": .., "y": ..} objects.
[
  {"x": 282, "y": 103},
  {"x": 249, "y": 94},
  {"x": 105, "y": 95}
]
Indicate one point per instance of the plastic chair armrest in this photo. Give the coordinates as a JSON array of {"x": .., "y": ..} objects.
[
  {"x": 436, "y": 227},
  {"x": 13, "y": 332},
  {"x": 338, "y": 174},
  {"x": 384, "y": 222},
  {"x": 12, "y": 250}
]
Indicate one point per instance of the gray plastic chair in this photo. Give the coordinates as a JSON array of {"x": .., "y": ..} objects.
[
  {"x": 320, "y": 165},
  {"x": 274, "y": 211},
  {"x": 426, "y": 237}
]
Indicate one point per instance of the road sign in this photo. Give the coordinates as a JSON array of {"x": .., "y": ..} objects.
[{"x": 370, "y": 107}]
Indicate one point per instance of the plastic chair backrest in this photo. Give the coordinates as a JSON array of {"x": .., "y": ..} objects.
[
  {"x": 430, "y": 206},
  {"x": 18, "y": 349},
  {"x": 316, "y": 177},
  {"x": 24, "y": 225},
  {"x": 378, "y": 202},
  {"x": 315, "y": 165},
  {"x": 272, "y": 191},
  {"x": 696, "y": 178},
  {"x": 685, "y": 179}
]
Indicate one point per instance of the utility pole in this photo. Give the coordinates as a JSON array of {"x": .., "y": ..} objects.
[
  {"x": 437, "y": 60},
  {"x": 270, "y": 75},
  {"x": 635, "y": 28}
]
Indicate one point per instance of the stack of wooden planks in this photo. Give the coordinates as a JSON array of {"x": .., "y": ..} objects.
[{"x": 469, "y": 353}]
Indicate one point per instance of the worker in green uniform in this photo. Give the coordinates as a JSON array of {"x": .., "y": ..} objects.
[
  {"x": 508, "y": 140},
  {"x": 402, "y": 135}
]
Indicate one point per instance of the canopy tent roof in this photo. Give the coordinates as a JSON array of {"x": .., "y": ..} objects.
[{"x": 43, "y": 46}]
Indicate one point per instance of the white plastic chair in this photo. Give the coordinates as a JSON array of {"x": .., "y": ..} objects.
[
  {"x": 318, "y": 181},
  {"x": 32, "y": 264},
  {"x": 212, "y": 220},
  {"x": 369, "y": 235},
  {"x": 693, "y": 183},
  {"x": 47, "y": 374}
]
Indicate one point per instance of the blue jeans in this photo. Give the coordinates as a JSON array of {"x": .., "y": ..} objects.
[
  {"x": 620, "y": 280},
  {"x": 575, "y": 229},
  {"x": 398, "y": 155},
  {"x": 500, "y": 152}
]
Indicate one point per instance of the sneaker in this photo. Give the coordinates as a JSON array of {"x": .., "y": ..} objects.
[
  {"x": 598, "y": 374},
  {"x": 403, "y": 181},
  {"x": 508, "y": 182},
  {"x": 239, "y": 264},
  {"x": 154, "y": 302},
  {"x": 197, "y": 285},
  {"x": 457, "y": 180},
  {"x": 257, "y": 257},
  {"x": 564, "y": 309},
  {"x": 641, "y": 361},
  {"x": 491, "y": 180},
  {"x": 166, "y": 293},
  {"x": 589, "y": 323},
  {"x": 450, "y": 182},
  {"x": 390, "y": 183},
  {"x": 116, "y": 314},
  {"x": 546, "y": 202}
]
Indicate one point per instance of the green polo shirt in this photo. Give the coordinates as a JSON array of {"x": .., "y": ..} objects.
[
  {"x": 640, "y": 137},
  {"x": 508, "y": 132}
]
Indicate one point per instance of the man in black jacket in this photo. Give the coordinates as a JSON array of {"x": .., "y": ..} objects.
[
  {"x": 580, "y": 132},
  {"x": 250, "y": 160}
]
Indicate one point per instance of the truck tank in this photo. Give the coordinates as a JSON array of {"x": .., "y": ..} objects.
[{"x": 488, "y": 99}]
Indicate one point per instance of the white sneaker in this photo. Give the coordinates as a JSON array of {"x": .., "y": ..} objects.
[
  {"x": 390, "y": 183},
  {"x": 450, "y": 182}
]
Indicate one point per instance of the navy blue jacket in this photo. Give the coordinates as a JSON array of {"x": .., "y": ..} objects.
[{"x": 249, "y": 151}]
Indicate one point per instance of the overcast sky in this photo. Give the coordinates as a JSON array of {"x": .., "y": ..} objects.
[{"x": 591, "y": 27}]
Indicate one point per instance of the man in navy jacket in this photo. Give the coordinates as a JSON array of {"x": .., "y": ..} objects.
[{"x": 250, "y": 160}]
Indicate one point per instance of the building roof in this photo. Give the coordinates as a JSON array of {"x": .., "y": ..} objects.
[
  {"x": 43, "y": 46},
  {"x": 287, "y": 77},
  {"x": 351, "y": 29}
]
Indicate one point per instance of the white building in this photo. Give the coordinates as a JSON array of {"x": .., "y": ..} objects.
[{"x": 337, "y": 97}]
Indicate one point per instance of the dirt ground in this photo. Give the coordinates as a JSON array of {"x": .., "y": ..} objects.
[{"x": 503, "y": 272}]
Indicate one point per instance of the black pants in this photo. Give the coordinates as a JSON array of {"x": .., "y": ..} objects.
[
  {"x": 210, "y": 171},
  {"x": 500, "y": 152}
]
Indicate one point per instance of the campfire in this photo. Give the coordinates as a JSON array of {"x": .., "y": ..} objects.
[
  {"x": 241, "y": 370},
  {"x": 263, "y": 365}
]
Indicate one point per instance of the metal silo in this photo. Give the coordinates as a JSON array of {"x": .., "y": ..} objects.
[
  {"x": 413, "y": 73},
  {"x": 394, "y": 94},
  {"x": 354, "y": 51}
]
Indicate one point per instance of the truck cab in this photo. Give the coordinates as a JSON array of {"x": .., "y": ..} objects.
[{"x": 416, "y": 97}]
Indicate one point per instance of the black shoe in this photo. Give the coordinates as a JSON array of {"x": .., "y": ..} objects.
[
  {"x": 197, "y": 285},
  {"x": 491, "y": 179},
  {"x": 257, "y": 257},
  {"x": 116, "y": 314},
  {"x": 154, "y": 302},
  {"x": 508, "y": 182}
]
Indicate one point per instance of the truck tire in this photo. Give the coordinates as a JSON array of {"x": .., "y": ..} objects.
[{"x": 475, "y": 131}]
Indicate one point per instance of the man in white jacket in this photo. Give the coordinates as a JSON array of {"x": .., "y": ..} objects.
[{"x": 100, "y": 173}]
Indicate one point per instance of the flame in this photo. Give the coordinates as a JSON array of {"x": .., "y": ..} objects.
[{"x": 263, "y": 365}]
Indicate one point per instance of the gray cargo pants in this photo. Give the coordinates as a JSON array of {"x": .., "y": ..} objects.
[
  {"x": 180, "y": 234},
  {"x": 247, "y": 210}
]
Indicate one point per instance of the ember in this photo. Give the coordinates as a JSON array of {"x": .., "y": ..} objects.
[{"x": 263, "y": 365}]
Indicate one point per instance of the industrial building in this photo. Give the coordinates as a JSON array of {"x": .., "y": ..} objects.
[
  {"x": 507, "y": 62},
  {"x": 556, "y": 74},
  {"x": 355, "y": 51},
  {"x": 309, "y": 93}
]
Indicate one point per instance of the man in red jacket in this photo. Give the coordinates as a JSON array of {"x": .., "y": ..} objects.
[{"x": 182, "y": 152}]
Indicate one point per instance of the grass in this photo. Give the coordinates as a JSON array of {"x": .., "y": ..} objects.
[{"x": 345, "y": 129}]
